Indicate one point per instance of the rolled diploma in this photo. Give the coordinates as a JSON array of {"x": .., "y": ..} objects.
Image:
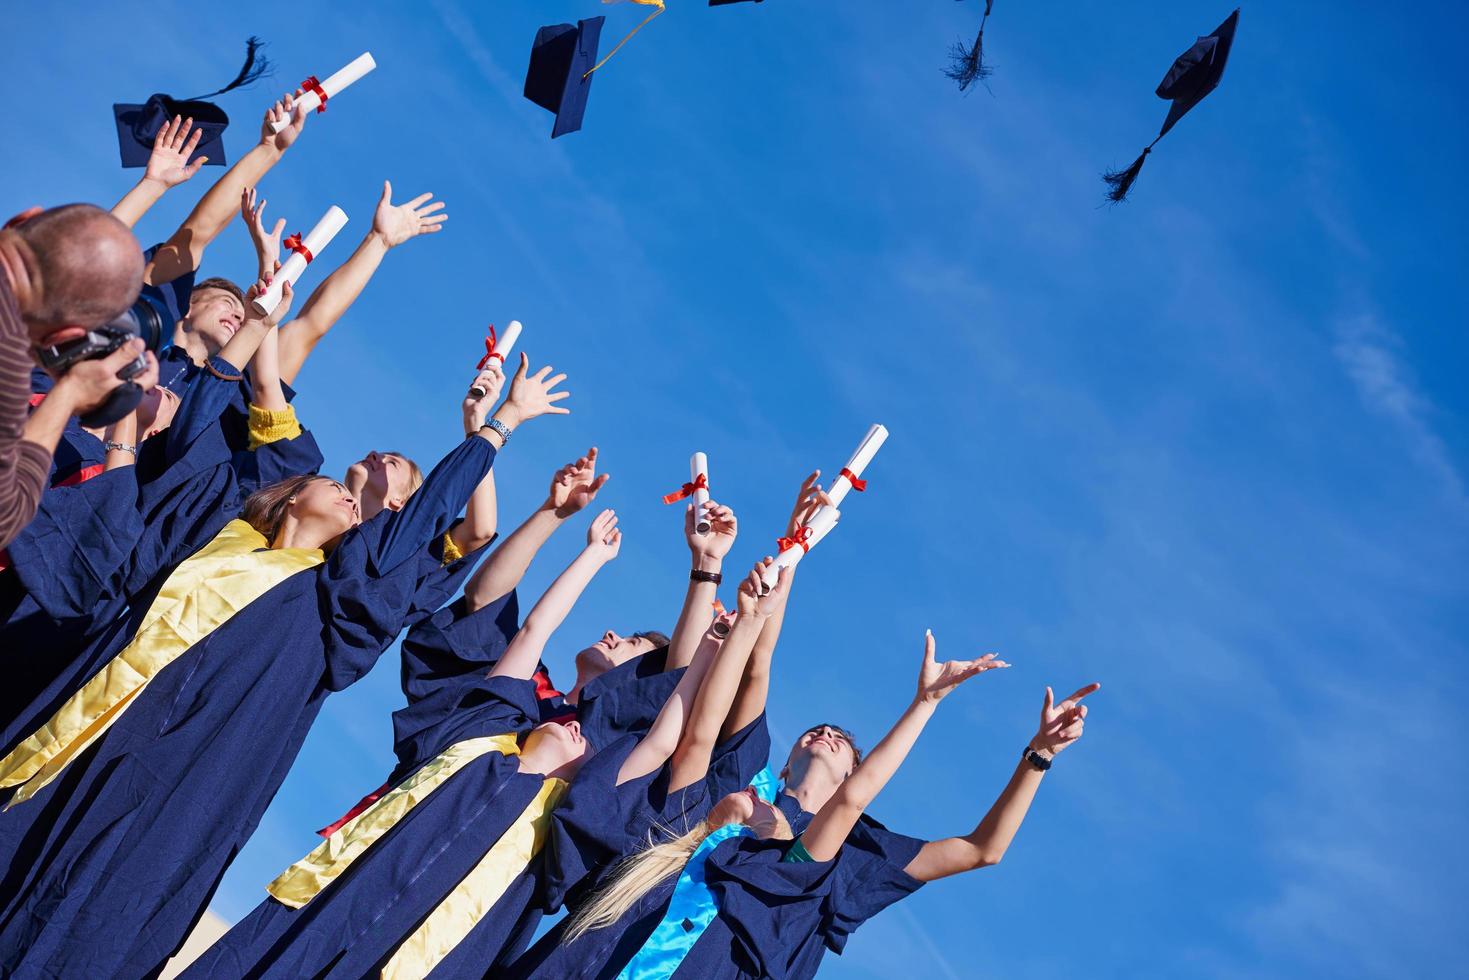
[
  {"x": 820, "y": 524},
  {"x": 332, "y": 86},
  {"x": 503, "y": 345},
  {"x": 315, "y": 241},
  {"x": 699, "y": 466},
  {"x": 873, "y": 441}
]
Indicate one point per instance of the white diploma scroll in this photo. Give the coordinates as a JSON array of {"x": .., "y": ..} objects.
[
  {"x": 818, "y": 527},
  {"x": 871, "y": 443},
  {"x": 820, "y": 523},
  {"x": 332, "y": 85},
  {"x": 699, "y": 467},
  {"x": 315, "y": 241},
  {"x": 504, "y": 344}
]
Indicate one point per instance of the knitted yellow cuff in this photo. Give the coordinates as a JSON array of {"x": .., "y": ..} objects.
[{"x": 267, "y": 426}]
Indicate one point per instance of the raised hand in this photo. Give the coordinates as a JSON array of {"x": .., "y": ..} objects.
[
  {"x": 285, "y": 108},
  {"x": 603, "y": 537},
  {"x": 810, "y": 498},
  {"x": 396, "y": 223},
  {"x": 576, "y": 484},
  {"x": 477, "y": 406},
  {"x": 723, "y": 527},
  {"x": 169, "y": 164},
  {"x": 267, "y": 243},
  {"x": 275, "y": 316},
  {"x": 531, "y": 394},
  {"x": 936, "y": 680},
  {"x": 1062, "y": 724},
  {"x": 751, "y": 602}
]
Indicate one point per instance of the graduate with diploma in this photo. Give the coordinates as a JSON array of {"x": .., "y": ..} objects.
[
  {"x": 432, "y": 879},
  {"x": 125, "y": 806},
  {"x": 792, "y": 883}
]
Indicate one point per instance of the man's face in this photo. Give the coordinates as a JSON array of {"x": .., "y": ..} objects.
[{"x": 214, "y": 316}]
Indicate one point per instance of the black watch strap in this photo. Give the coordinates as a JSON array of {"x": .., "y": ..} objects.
[
  {"x": 695, "y": 575},
  {"x": 1036, "y": 759}
]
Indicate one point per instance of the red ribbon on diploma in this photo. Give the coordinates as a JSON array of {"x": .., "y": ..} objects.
[
  {"x": 294, "y": 243},
  {"x": 857, "y": 484},
  {"x": 312, "y": 85},
  {"x": 802, "y": 536},
  {"x": 687, "y": 490},
  {"x": 490, "y": 351}
]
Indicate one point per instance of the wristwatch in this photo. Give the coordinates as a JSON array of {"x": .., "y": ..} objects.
[
  {"x": 495, "y": 425},
  {"x": 696, "y": 575},
  {"x": 1037, "y": 760}
]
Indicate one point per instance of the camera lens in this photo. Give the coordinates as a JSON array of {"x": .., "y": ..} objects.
[{"x": 147, "y": 318}]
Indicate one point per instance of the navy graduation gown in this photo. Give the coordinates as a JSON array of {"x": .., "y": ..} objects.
[
  {"x": 356, "y": 923},
  {"x": 120, "y": 533},
  {"x": 108, "y": 867},
  {"x": 775, "y": 919}
]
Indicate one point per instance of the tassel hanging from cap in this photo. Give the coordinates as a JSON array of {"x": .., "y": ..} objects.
[
  {"x": 658, "y": 9},
  {"x": 966, "y": 61},
  {"x": 256, "y": 67},
  {"x": 1120, "y": 181}
]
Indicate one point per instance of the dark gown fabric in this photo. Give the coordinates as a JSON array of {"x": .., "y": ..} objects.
[
  {"x": 355, "y": 924},
  {"x": 108, "y": 867},
  {"x": 775, "y": 919},
  {"x": 94, "y": 548}
]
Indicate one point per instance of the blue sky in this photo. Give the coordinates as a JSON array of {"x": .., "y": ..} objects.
[{"x": 1208, "y": 447}]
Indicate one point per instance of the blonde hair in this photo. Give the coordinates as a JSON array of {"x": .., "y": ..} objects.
[
  {"x": 640, "y": 873},
  {"x": 415, "y": 472}
]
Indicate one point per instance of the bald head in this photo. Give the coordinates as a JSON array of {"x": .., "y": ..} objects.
[{"x": 85, "y": 266}]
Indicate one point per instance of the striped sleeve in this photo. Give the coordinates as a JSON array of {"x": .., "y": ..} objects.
[{"x": 24, "y": 466}]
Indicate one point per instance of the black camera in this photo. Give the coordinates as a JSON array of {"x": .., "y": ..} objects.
[{"x": 147, "y": 318}]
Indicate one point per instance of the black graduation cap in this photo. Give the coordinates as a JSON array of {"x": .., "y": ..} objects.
[
  {"x": 966, "y": 61},
  {"x": 1194, "y": 74},
  {"x": 558, "y": 79},
  {"x": 138, "y": 125}
]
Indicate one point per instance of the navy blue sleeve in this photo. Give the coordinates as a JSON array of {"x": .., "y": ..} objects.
[
  {"x": 398, "y": 535},
  {"x": 76, "y": 549},
  {"x": 870, "y": 877},
  {"x": 630, "y": 706},
  {"x": 201, "y": 405},
  {"x": 275, "y": 461},
  {"x": 454, "y": 642}
]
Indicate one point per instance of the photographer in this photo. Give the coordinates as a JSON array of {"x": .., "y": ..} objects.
[{"x": 62, "y": 273}]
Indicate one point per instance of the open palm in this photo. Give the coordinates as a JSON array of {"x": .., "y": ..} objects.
[
  {"x": 576, "y": 484},
  {"x": 397, "y": 223}
]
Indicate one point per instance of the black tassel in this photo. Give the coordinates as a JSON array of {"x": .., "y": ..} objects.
[
  {"x": 256, "y": 66},
  {"x": 966, "y": 62},
  {"x": 1120, "y": 181}
]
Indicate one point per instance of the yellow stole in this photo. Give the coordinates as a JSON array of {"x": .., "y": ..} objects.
[
  {"x": 200, "y": 596},
  {"x": 302, "y": 881},
  {"x": 471, "y": 899}
]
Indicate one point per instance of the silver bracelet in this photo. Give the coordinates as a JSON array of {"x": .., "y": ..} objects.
[
  {"x": 110, "y": 446},
  {"x": 495, "y": 425}
]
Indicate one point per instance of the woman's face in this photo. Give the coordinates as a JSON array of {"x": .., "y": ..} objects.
[
  {"x": 382, "y": 476},
  {"x": 612, "y": 650},
  {"x": 746, "y": 807},
  {"x": 328, "y": 502},
  {"x": 556, "y": 747}
]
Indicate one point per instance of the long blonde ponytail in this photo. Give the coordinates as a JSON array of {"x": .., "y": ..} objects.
[{"x": 640, "y": 873}]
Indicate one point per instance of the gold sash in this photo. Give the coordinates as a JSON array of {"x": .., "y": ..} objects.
[
  {"x": 200, "y": 596},
  {"x": 471, "y": 899},
  {"x": 301, "y": 882}
]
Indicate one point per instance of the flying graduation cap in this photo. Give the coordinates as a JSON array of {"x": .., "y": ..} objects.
[
  {"x": 966, "y": 61},
  {"x": 1194, "y": 74},
  {"x": 562, "y": 61},
  {"x": 138, "y": 125}
]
